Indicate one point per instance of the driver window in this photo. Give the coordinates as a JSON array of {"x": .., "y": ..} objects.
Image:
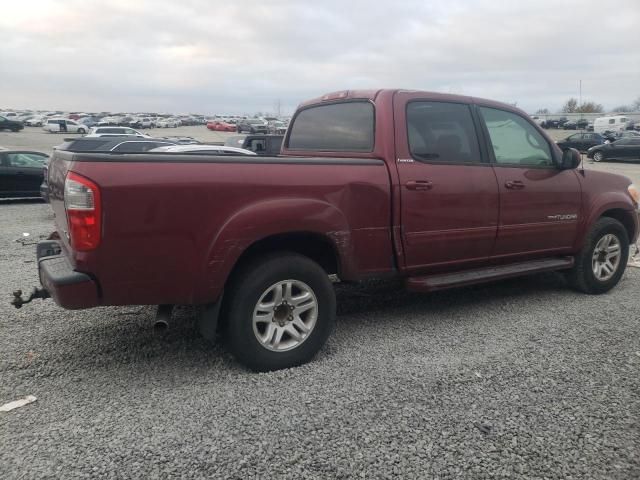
[{"x": 515, "y": 141}]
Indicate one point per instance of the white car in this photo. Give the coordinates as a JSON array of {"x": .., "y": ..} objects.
[
  {"x": 166, "y": 123},
  {"x": 36, "y": 121},
  {"x": 204, "y": 149},
  {"x": 147, "y": 122},
  {"x": 116, "y": 132},
  {"x": 64, "y": 125}
]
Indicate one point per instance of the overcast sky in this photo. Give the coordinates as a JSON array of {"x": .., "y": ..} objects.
[{"x": 241, "y": 56}]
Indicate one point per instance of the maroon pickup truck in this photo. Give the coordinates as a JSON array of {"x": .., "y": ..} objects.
[{"x": 437, "y": 190}]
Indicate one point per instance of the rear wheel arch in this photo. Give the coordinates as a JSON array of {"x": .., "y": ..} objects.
[{"x": 312, "y": 245}]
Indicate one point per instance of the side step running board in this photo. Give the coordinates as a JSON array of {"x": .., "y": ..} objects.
[{"x": 429, "y": 283}]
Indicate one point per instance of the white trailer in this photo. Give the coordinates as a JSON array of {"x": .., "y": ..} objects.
[{"x": 614, "y": 123}]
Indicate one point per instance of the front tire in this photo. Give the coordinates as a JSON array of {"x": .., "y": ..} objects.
[
  {"x": 280, "y": 312},
  {"x": 598, "y": 157},
  {"x": 82, "y": 131},
  {"x": 602, "y": 261}
]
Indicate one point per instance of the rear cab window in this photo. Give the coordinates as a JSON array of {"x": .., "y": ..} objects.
[
  {"x": 442, "y": 132},
  {"x": 335, "y": 127}
]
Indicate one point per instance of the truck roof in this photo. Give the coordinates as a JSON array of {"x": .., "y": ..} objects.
[{"x": 373, "y": 94}]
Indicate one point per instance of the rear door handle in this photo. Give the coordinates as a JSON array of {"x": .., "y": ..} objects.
[
  {"x": 419, "y": 185},
  {"x": 514, "y": 184}
]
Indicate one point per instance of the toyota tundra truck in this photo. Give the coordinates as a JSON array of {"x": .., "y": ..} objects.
[{"x": 433, "y": 190}]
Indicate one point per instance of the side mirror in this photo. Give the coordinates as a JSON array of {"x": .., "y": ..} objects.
[{"x": 570, "y": 159}]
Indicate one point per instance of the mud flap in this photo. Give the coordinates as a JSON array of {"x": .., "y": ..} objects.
[{"x": 207, "y": 320}]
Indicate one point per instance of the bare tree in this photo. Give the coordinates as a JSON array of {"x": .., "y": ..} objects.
[
  {"x": 590, "y": 107},
  {"x": 543, "y": 111},
  {"x": 571, "y": 106}
]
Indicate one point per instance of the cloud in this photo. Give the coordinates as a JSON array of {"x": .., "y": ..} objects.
[{"x": 243, "y": 56}]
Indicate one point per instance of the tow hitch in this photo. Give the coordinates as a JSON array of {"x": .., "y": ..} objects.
[{"x": 18, "y": 301}]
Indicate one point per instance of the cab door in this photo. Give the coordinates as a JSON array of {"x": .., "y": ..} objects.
[
  {"x": 448, "y": 190},
  {"x": 539, "y": 202}
]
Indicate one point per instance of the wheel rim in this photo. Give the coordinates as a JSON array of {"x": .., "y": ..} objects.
[
  {"x": 606, "y": 257},
  {"x": 285, "y": 315},
  {"x": 598, "y": 156}
]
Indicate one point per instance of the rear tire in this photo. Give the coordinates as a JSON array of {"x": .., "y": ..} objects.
[
  {"x": 280, "y": 311},
  {"x": 603, "y": 259}
]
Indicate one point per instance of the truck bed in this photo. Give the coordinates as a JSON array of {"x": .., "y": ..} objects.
[{"x": 176, "y": 223}]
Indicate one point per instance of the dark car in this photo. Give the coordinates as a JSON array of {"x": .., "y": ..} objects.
[
  {"x": 550, "y": 123},
  {"x": 252, "y": 125},
  {"x": 582, "y": 123},
  {"x": 125, "y": 144},
  {"x": 625, "y": 149},
  {"x": 570, "y": 125},
  {"x": 21, "y": 173},
  {"x": 6, "y": 124},
  {"x": 582, "y": 141},
  {"x": 628, "y": 134},
  {"x": 562, "y": 121},
  {"x": 261, "y": 144}
]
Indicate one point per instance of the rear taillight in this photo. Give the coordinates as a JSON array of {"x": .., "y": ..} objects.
[{"x": 82, "y": 203}]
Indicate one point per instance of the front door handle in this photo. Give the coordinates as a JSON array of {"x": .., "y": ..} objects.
[
  {"x": 514, "y": 184},
  {"x": 419, "y": 185}
]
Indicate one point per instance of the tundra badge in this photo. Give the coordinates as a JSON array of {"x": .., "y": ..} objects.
[{"x": 569, "y": 216}]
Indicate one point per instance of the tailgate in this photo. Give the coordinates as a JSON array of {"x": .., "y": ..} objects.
[{"x": 59, "y": 165}]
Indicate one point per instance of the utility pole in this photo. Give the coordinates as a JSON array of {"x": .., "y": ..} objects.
[{"x": 580, "y": 97}]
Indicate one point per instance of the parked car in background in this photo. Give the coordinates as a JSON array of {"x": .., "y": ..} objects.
[
  {"x": 589, "y": 127},
  {"x": 629, "y": 134},
  {"x": 112, "y": 120},
  {"x": 166, "y": 123},
  {"x": 581, "y": 141},
  {"x": 550, "y": 123},
  {"x": 624, "y": 150},
  {"x": 181, "y": 140},
  {"x": 64, "y": 125},
  {"x": 252, "y": 126},
  {"x": 35, "y": 121},
  {"x": 261, "y": 144},
  {"x": 203, "y": 149},
  {"x": 21, "y": 173},
  {"x": 221, "y": 126},
  {"x": 115, "y": 132},
  {"x": 538, "y": 120},
  {"x": 277, "y": 127},
  {"x": 570, "y": 125},
  {"x": 89, "y": 121},
  {"x": 8, "y": 124},
  {"x": 147, "y": 122},
  {"x": 582, "y": 123}
]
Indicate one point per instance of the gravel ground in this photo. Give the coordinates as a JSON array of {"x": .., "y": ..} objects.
[{"x": 521, "y": 379}]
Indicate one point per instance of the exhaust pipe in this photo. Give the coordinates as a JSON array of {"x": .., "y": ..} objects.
[{"x": 163, "y": 315}]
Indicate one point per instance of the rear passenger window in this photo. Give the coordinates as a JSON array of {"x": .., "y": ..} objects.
[
  {"x": 515, "y": 141},
  {"x": 442, "y": 132},
  {"x": 345, "y": 127}
]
